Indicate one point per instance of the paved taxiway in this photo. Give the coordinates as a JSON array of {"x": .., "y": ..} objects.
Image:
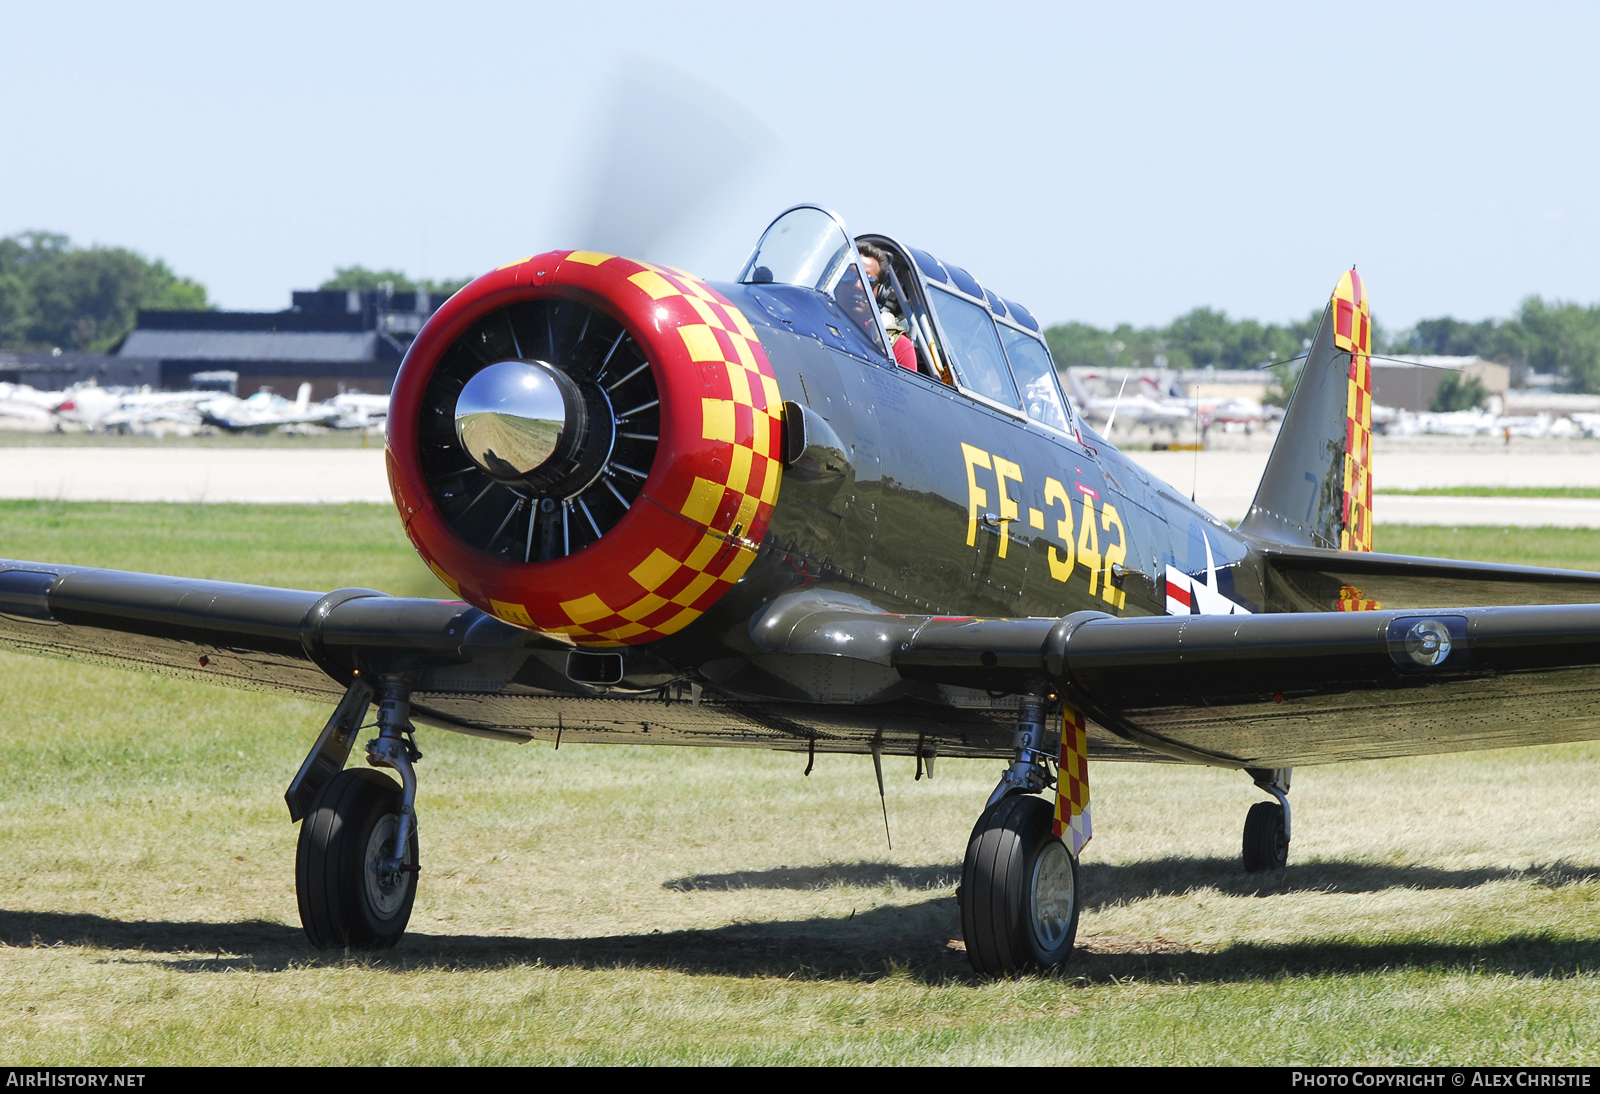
[
  {"x": 1223, "y": 480},
  {"x": 194, "y": 473}
]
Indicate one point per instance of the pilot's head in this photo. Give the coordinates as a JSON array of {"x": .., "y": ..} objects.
[{"x": 875, "y": 261}]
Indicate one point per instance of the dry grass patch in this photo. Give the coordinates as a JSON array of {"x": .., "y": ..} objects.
[
  {"x": 634, "y": 904},
  {"x": 672, "y": 905}
]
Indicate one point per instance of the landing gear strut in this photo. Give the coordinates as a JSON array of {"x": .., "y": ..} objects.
[
  {"x": 1266, "y": 826},
  {"x": 1019, "y": 884},
  {"x": 356, "y": 866}
]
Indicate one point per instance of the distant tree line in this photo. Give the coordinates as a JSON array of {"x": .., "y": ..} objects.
[
  {"x": 365, "y": 280},
  {"x": 54, "y": 295},
  {"x": 1199, "y": 339},
  {"x": 1457, "y": 392},
  {"x": 57, "y": 296},
  {"x": 1550, "y": 337},
  {"x": 1553, "y": 337}
]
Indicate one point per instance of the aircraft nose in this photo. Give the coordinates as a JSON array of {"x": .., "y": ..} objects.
[{"x": 516, "y": 417}]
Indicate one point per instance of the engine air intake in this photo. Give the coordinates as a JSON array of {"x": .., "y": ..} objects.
[
  {"x": 523, "y": 446},
  {"x": 587, "y": 445}
]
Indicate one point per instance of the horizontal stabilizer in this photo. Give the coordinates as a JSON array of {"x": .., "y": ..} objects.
[{"x": 1313, "y": 579}]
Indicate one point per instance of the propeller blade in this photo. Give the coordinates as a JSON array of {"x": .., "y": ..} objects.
[{"x": 668, "y": 146}]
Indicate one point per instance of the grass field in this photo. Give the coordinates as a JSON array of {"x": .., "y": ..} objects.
[
  {"x": 677, "y": 905},
  {"x": 1500, "y": 491}
]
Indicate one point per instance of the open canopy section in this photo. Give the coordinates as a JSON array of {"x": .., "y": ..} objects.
[
  {"x": 809, "y": 247},
  {"x": 805, "y": 246}
]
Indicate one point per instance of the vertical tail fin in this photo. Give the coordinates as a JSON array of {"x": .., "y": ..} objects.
[{"x": 1317, "y": 488}]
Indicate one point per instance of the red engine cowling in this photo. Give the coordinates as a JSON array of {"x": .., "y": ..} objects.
[{"x": 659, "y": 508}]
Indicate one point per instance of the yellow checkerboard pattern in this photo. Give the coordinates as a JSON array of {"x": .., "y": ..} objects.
[
  {"x": 742, "y": 416},
  {"x": 1072, "y": 820},
  {"x": 1352, "y": 599},
  {"x": 1352, "y": 313}
]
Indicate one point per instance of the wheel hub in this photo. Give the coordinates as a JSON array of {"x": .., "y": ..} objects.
[
  {"x": 1053, "y": 895},
  {"x": 386, "y": 891}
]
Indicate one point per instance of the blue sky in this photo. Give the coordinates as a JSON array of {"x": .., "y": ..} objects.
[{"x": 1095, "y": 162}]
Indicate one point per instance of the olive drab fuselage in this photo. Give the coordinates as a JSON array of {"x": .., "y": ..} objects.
[{"x": 952, "y": 506}]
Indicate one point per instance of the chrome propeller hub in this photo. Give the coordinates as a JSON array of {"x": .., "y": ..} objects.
[
  {"x": 516, "y": 417},
  {"x": 521, "y": 442}
]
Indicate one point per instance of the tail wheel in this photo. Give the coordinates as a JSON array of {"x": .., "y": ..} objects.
[
  {"x": 565, "y": 512},
  {"x": 1019, "y": 890},
  {"x": 345, "y": 899},
  {"x": 1266, "y": 842}
]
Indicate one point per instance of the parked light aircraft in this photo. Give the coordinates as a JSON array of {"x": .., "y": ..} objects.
[
  {"x": 1144, "y": 403},
  {"x": 682, "y": 512},
  {"x": 119, "y": 409}
]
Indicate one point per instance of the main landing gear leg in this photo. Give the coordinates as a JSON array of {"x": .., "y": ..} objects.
[
  {"x": 1266, "y": 826},
  {"x": 1019, "y": 884},
  {"x": 356, "y": 868}
]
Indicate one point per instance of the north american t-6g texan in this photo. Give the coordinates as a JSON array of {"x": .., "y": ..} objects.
[{"x": 841, "y": 505}]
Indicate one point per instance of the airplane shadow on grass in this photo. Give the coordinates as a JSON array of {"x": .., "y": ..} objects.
[
  {"x": 879, "y": 941},
  {"x": 1108, "y": 885},
  {"x": 864, "y": 875}
]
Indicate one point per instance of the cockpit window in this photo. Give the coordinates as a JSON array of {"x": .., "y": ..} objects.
[
  {"x": 805, "y": 247},
  {"x": 1041, "y": 397},
  {"x": 1021, "y": 315},
  {"x": 975, "y": 346},
  {"x": 964, "y": 281},
  {"x": 931, "y": 267},
  {"x": 852, "y": 297},
  {"x": 809, "y": 247}
]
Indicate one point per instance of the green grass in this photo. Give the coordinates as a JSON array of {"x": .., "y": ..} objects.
[
  {"x": 294, "y": 546},
  {"x": 1563, "y": 548},
  {"x": 628, "y": 904},
  {"x": 1500, "y": 491}
]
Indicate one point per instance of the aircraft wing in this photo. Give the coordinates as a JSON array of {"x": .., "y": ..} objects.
[
  {"x": 1289, "y": 690},
  {"x": 1280, "y": 690},
  {"x": 475, "y": 674}
]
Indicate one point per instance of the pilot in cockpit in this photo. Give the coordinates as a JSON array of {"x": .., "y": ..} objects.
[{"x": 876, "y": 263}]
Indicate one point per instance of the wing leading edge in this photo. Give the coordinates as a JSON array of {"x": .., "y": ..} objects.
[
  {"x": 1291, "y": 690},
  {"x": 475, "y": 674},
  {"x": 1258, "y": 691},
  {"x": 257, "y": 638}
]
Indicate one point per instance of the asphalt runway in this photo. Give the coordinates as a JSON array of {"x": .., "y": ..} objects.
[
  {"x": 194, "y": 473},
  {"x": 1223, "y": 481}
]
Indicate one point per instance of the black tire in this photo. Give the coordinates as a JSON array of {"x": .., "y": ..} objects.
[
  {"x": 343, "y": 901},
  {"x": 1266, "y": 844},
  {"x": 1019, "y": 890}
]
